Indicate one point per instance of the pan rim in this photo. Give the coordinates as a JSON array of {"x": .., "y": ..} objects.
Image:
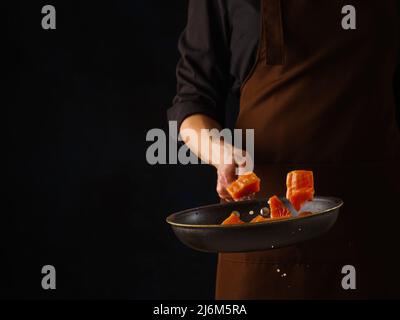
[{"x": 339, "y": 204}]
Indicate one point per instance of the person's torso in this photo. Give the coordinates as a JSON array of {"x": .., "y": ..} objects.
[{"x": 318, "y": 92}]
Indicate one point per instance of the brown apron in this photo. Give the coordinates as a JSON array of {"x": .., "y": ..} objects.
[{"x": 321, "y": 98}]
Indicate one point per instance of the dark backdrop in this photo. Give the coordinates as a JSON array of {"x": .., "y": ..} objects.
[{"x": 80, "y": 195}]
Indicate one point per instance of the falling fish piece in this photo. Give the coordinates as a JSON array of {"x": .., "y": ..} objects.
[
  {"x": 246, "y": 185},
  {"x": 300, "y": 187}
]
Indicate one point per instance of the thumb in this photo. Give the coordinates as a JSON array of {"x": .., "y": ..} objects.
[{"x": 244, "y": 162}]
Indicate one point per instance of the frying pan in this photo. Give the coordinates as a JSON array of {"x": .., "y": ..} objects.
[{"x": 200, "y": 228}]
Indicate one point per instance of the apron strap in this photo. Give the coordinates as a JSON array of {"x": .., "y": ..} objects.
[{"x": 273, "y": 52}]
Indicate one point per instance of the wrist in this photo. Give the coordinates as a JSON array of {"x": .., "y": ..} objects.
[{"x": 222, "y": 154}]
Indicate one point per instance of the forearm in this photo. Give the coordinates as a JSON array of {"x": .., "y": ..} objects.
[{"x": 196, "y": 133}]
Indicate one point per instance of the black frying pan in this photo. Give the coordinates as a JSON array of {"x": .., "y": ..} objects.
[{"x": 200, "y": 228}]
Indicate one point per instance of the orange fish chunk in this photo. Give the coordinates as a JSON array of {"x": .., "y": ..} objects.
[
  {"x": 300, "y": 187},
  {"x": 245, "y": 185},
  {"x": 277, "y": 208},
  {"x": 234, "y": 218},
  {"x": 259, "y": 218}
]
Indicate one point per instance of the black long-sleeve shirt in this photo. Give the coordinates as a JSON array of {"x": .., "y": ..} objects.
[{"x": 218, "y": 48}]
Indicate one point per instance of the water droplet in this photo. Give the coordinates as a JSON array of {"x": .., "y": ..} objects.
[
  {"x": 251, "y": 212},
  {"x": 265, "y": 212}
]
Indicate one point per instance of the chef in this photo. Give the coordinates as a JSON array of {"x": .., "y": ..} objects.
[{"x": 319, "y": 96}]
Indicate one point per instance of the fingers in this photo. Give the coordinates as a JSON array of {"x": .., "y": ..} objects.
[
  {"x": 223, "y": 194},
  {"x": 226, "y": 175},
  {"x": 244, "y": 162}
]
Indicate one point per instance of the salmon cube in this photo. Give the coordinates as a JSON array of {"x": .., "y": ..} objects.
[
  {"x": 277, "y": 208},
  {"x": 234, "y": 218},
  {"x": 247, "y": 184},
  {"x": 300, "y": 187},
  {"x": 259, "y": 218}
]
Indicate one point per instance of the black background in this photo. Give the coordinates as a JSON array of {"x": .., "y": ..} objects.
[{"x": 79, "y": 192}]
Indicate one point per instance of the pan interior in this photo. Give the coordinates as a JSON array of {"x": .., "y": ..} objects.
[{"x": 215, "y": 214}]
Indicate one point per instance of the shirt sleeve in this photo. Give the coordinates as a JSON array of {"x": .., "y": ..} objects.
[{"x": 203, "y": 77}]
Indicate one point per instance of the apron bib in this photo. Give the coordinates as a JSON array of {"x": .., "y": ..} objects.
[{"x": 321, "y": 98}]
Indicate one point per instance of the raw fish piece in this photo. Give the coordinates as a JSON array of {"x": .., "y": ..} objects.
[
  {"x": 300, "y": 187},
  {"x": 259, "y": 218},
  {"x": 278, "y": 209},
  {"x": 234, "y": 218},
  {"x": 247, "y": 184}
]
